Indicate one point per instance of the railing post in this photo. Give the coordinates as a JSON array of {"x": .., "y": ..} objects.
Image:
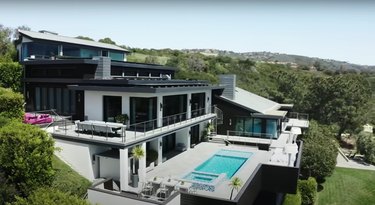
[{"x": 144, "y": 129}]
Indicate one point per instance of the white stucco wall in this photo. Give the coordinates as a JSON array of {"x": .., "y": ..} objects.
[
  {"x": 97, "y": 197},
  {"x": 109, "y": 168},
  {"x": 80, "y": 157},
  {"x": 94, "y": 101}
]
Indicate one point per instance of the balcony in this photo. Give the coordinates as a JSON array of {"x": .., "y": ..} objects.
[
  {"x": 122, "y": 135},
  {"x": 295, "y": 119}
]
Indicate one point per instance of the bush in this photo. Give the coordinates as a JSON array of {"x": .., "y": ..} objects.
[
  {"x": 26, "y": 154},
  {"x": 319, "y": 152},
  {"x": 11, "y": 74},
  {"x": 151, "y": 155},
  {"x": 308, "y": 189},
  {"x": 11, "y": 104},
  {"x": 293, "y": 199},
  {"x": 366, "y": 146},
  {"x": 51, "y": 197}
]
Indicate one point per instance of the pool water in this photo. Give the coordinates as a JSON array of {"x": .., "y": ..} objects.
[
  {"x": 218, "y": 164},
  {"x": 201, "y": 177}
]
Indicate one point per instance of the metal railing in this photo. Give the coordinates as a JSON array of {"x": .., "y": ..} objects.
[
  {"x": 133, "y": 131},
  {"x": 299, "y": 116},
  {"x": 142, "y": 128},
  {"x": 240, "y": 136}
]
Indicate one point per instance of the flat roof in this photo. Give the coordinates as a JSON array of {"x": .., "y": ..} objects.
[
  {"x": 72, "y": 40},
  {"x": 66, "y": 61}
]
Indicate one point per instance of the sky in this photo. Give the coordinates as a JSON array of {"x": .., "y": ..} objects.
[{"x": 332, "y": 29}]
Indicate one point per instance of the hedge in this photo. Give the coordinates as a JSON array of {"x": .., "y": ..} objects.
[
  {"x": 293, "y": 199},
  {"x": 309, "y": 190},
  {"x": 11, "y": 104},
  {"x": 11, "y": 76}
]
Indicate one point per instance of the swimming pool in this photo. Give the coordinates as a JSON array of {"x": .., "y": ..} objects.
[
  {"x": 220, "y": 163},
  {"x": 223, "y": 164}
]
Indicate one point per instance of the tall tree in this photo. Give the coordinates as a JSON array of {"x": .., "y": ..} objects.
[
  {"x": 7, "y": 49},
  {"x": 340, "y": 100}
]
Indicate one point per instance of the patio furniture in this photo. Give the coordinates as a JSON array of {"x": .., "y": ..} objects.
[
  {"x": 183, "y": 186},
  {"x": 101, "y": 127}
]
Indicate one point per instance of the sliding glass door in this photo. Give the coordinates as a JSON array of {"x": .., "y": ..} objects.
[{"x": 111, "y": 108}]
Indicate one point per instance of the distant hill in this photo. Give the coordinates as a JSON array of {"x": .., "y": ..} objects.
[{"x": 293, "y": 60}]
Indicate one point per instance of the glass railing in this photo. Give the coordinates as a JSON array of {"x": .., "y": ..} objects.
[{"x": 167, "y": 122}]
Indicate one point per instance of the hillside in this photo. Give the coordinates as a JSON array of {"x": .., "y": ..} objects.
[{"x": 293, "y": 60}]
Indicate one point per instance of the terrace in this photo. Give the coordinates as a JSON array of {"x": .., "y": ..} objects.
[
  {"x": 122, "y": 135},
  {"x": 256, "y": 173}
]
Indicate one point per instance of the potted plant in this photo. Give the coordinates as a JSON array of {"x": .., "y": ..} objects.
[
  {"x": 210, "y": 128},
  {"x": 122, "y": 118},
  {"x": 151, "y": 156},
  {"x": 137, "y": 153}
]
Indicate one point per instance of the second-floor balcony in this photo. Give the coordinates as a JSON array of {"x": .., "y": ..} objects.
[
  {"x": 123, "y": 135},
  {"x": 295, "y": 119}
]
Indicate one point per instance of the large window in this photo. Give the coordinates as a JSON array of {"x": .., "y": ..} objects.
[
  {"x": 112, "y": 107},
  {"x": 116, "y": 56},
  {"x": 40, "y": 50},
  {"x": 60, "y": 99},
  {"x": 256, "y": 127},
  {"x": 143, "y": 110}
]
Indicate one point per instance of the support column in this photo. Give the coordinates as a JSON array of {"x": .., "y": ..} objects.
[
  {"x": 208, "y": 101},
  {"x": 188, "y": 116},
  {"x": 160, "y": 150},
  {"x": 142, "y": 165},
  {"x": 124, "y": 170},
  {"x": 159, "y": 111}
]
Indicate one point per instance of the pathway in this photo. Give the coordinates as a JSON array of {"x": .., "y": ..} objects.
[{"x": 355, "y": 164}]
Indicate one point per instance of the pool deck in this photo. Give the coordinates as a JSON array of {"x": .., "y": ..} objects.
[{"x": 184, "y": 163}]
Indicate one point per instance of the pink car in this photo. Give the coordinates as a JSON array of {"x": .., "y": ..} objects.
[{"x": 37, "y": 118}]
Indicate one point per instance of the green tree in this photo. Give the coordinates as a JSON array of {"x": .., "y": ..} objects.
[
  {"x": 235, "y": 184},
  {"x": 85, "y": 38},
  {"x": 11, "y": 104},
  {"x": 29, "y": 164},
  {"x": 51, "y": 197},
  {"x": 340, "y": 100},
  {"x": 11, "y": 75},
  {"x": 366, "y": 146},
  {"x": 319, "y": 152},
  {"x": 7, "y": 49},
  {"x": 151, "y": 60},
  {"x": 107, "y": 40}
]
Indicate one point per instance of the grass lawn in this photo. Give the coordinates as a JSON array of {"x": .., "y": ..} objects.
[
  {"x": 348, "y": 187},
  {"x": 67, "y": 180}
]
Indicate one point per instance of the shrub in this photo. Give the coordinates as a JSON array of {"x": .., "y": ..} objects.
[
  {"x": 26, "y": 154},
  {"x": 308, "y": 189},
  {"x": 11, "y": 104},
  {"x": 366, "y": 146},
  {"x": 151, "y": 155},
  {"x": 11, "y": 74},
  {"x": 293, "y": 199},
  {"x": 51, "y": 197}
]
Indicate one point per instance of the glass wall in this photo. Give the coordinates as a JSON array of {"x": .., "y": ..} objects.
[
  {"x": 39, "y": 50},
  {"x": 60, "y": 99},
  {"x": 174, "y": 108},
  {"x": 143, "y": 110},
  {"x": 117, "y": 56},
  {"x": 256, "y": 127},
  {"x": 198, "y": 103}
]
